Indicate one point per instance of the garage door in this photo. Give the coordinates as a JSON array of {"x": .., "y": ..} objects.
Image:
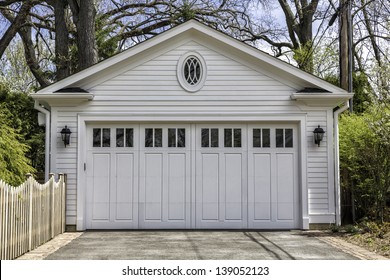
[{"x": 192, "y": 176}]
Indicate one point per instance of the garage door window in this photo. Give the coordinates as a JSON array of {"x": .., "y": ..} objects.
[
  {"x": 284, "y": 138},
  {"x": 261, "y": 138},
  {"x": 210, "y": 137},
  {"x": 153, "y": 137},
  {"x": 101, "y": 137},
  {"x": 176, "y": 137},
  {"x": 232, "y": 137},
  {"x": 124, "y": 137}
]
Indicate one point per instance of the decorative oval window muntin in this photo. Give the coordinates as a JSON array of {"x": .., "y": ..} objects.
[{"x": 191, "y": 71}]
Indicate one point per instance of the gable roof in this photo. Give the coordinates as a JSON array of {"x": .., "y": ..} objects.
[{"x": 195, "y": 28}]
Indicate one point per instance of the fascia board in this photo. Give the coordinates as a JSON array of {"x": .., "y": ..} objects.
[
  {"x": 316, "y": 99},
  {"x": 63, "y": 98}
]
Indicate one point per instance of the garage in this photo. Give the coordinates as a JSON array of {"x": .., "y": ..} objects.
[
  {"x": 192, "y": 176},
  {"x": 192, "y": 129}
]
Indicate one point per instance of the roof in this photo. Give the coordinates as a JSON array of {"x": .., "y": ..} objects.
[{"x": 306, "y": 83}]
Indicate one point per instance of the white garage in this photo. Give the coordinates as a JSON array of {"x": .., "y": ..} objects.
[
  {"x": 193, "y": 176},
  {"x": 193, "y": 129}
]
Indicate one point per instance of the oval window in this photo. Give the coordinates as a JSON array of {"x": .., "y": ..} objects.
[{"x": 191, "y": 71}]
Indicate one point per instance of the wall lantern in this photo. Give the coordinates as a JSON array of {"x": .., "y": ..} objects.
[
  {"x": 65, "y": 135},
  {"x": 318, "y": 135}
]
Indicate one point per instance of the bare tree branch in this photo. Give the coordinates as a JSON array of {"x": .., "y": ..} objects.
[{"x": 16, "y": 23}]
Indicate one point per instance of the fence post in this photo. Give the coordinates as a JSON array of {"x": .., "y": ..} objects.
[
  {"x": 63, "y": 200},
  {"x": 30, "y": 188},
  {"x": 51, "y": 186}
]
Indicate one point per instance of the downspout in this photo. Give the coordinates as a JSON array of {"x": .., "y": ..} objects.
[
  {"x": 41, "y": 109},
  {"x": 337, "y": 161}
]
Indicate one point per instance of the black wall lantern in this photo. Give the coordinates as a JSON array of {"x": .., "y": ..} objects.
[
  {"x": 318, "y": 135},
  {"x": 65, "y": 135}
]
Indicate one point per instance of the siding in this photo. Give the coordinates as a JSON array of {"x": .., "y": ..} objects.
[
  {"x": 224, "y": 77},
  {"x": 66, "y": 158},
  {"x": 317, "y": 165}
]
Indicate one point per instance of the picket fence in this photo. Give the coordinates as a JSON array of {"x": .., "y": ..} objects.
[{"x": 31, "y": 214}]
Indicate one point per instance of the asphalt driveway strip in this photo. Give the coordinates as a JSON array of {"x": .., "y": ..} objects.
[{"x": 198, "y": 245}]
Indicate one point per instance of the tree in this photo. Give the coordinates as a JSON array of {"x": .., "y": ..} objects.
[
  {"x": 297, "y": 33},
  {"x": 14, "y": 164},
  {"x": 22, "y": 118},
  {"x": 75, "y": 26}
]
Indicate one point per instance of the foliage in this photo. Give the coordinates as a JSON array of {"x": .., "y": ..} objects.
[
  {"x": 363, "y": 95},
  {"x": 14, "y": 164},
  {"x": 14, "y": 70},
  {"x": 22, "y": 118},
  {"x": 364, "y": 158}
]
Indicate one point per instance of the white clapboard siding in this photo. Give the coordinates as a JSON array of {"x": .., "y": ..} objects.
[
  {"x": 317, "y": 165},
  {"x": 31, "y": 214},
  {"x": 225, "y": 76}
]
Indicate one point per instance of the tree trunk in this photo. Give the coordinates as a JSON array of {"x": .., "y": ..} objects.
[
  {"x": 61, "y": 40},
  {"x": 31, "y": 59},
  {"x": 86, "y": 38}
]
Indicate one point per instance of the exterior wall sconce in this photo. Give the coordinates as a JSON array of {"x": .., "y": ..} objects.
[
  {"x": 65, "y": 135},
  {"x": 318, "y": 135}
]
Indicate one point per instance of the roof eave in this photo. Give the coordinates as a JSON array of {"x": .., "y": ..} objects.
[
  {"x": 321, "y": 100},
  {"x": 70, "y": 98}
]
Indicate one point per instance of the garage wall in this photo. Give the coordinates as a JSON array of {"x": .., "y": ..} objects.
[{"x": 242, "y": 88}]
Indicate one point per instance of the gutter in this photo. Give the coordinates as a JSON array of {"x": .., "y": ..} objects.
[
  {"x": 337, "y": 160},
  {"x": 47, "y": 114}
]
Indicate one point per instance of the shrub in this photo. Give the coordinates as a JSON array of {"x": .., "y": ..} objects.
[{"x": 364, "y": 160}]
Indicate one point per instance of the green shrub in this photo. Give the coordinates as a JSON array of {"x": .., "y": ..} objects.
[{"x": 364, "y": 160}]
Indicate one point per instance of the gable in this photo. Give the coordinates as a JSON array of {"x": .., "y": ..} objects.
[
  {"x": 225, "y": 76},
  {"x": 247, "y": 71}
]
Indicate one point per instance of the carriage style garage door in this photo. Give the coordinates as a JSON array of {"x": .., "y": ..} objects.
[{"x": 226, "y": 176}]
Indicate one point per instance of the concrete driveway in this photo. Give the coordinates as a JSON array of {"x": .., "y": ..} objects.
[{"x": 199, "y": 245}]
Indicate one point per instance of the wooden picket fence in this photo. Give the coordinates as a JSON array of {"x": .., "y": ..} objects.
[{"x": 31, "y": 214}]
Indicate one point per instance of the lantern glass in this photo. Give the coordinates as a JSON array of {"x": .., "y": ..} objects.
[
  {"x": 318, "y": 135},
  {"x": 65, "y": 135}
]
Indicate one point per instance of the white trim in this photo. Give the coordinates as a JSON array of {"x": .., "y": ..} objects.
[
  {"x": 320, "y": 99},
  {"x": 84, "y": 119},
  {"x": 64, "y": 98},
  {"x": 337, "y": 161},
  {"x": 329, "y": 137},
  {"x": 302, "y": 165},
  {"x": 180, "y": 71},
  {"x": 328, "y": 218}
]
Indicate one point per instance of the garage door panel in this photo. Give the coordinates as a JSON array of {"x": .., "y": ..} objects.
[
  {"x": 153, "y": 186},
  {"x": 101, "y": 190},
  {"x": 233, "y": 187},
  {"x": 177, "y": 186},
  {"x": 262, "y": 186},
  {"x": 285, "y": 186},
  {"x": 210, "y": 187},
  {"x": 124, "y": 186}
]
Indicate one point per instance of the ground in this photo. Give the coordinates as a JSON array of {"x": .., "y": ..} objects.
[
  {"x": 371, "y": 236},
  {"x": 202, "y": 245}
]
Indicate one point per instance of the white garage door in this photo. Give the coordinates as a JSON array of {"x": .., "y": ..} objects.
[{"x": 192, "y": 176}]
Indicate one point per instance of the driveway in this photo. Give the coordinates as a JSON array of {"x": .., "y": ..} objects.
[{"x": 200, "y": 245}]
